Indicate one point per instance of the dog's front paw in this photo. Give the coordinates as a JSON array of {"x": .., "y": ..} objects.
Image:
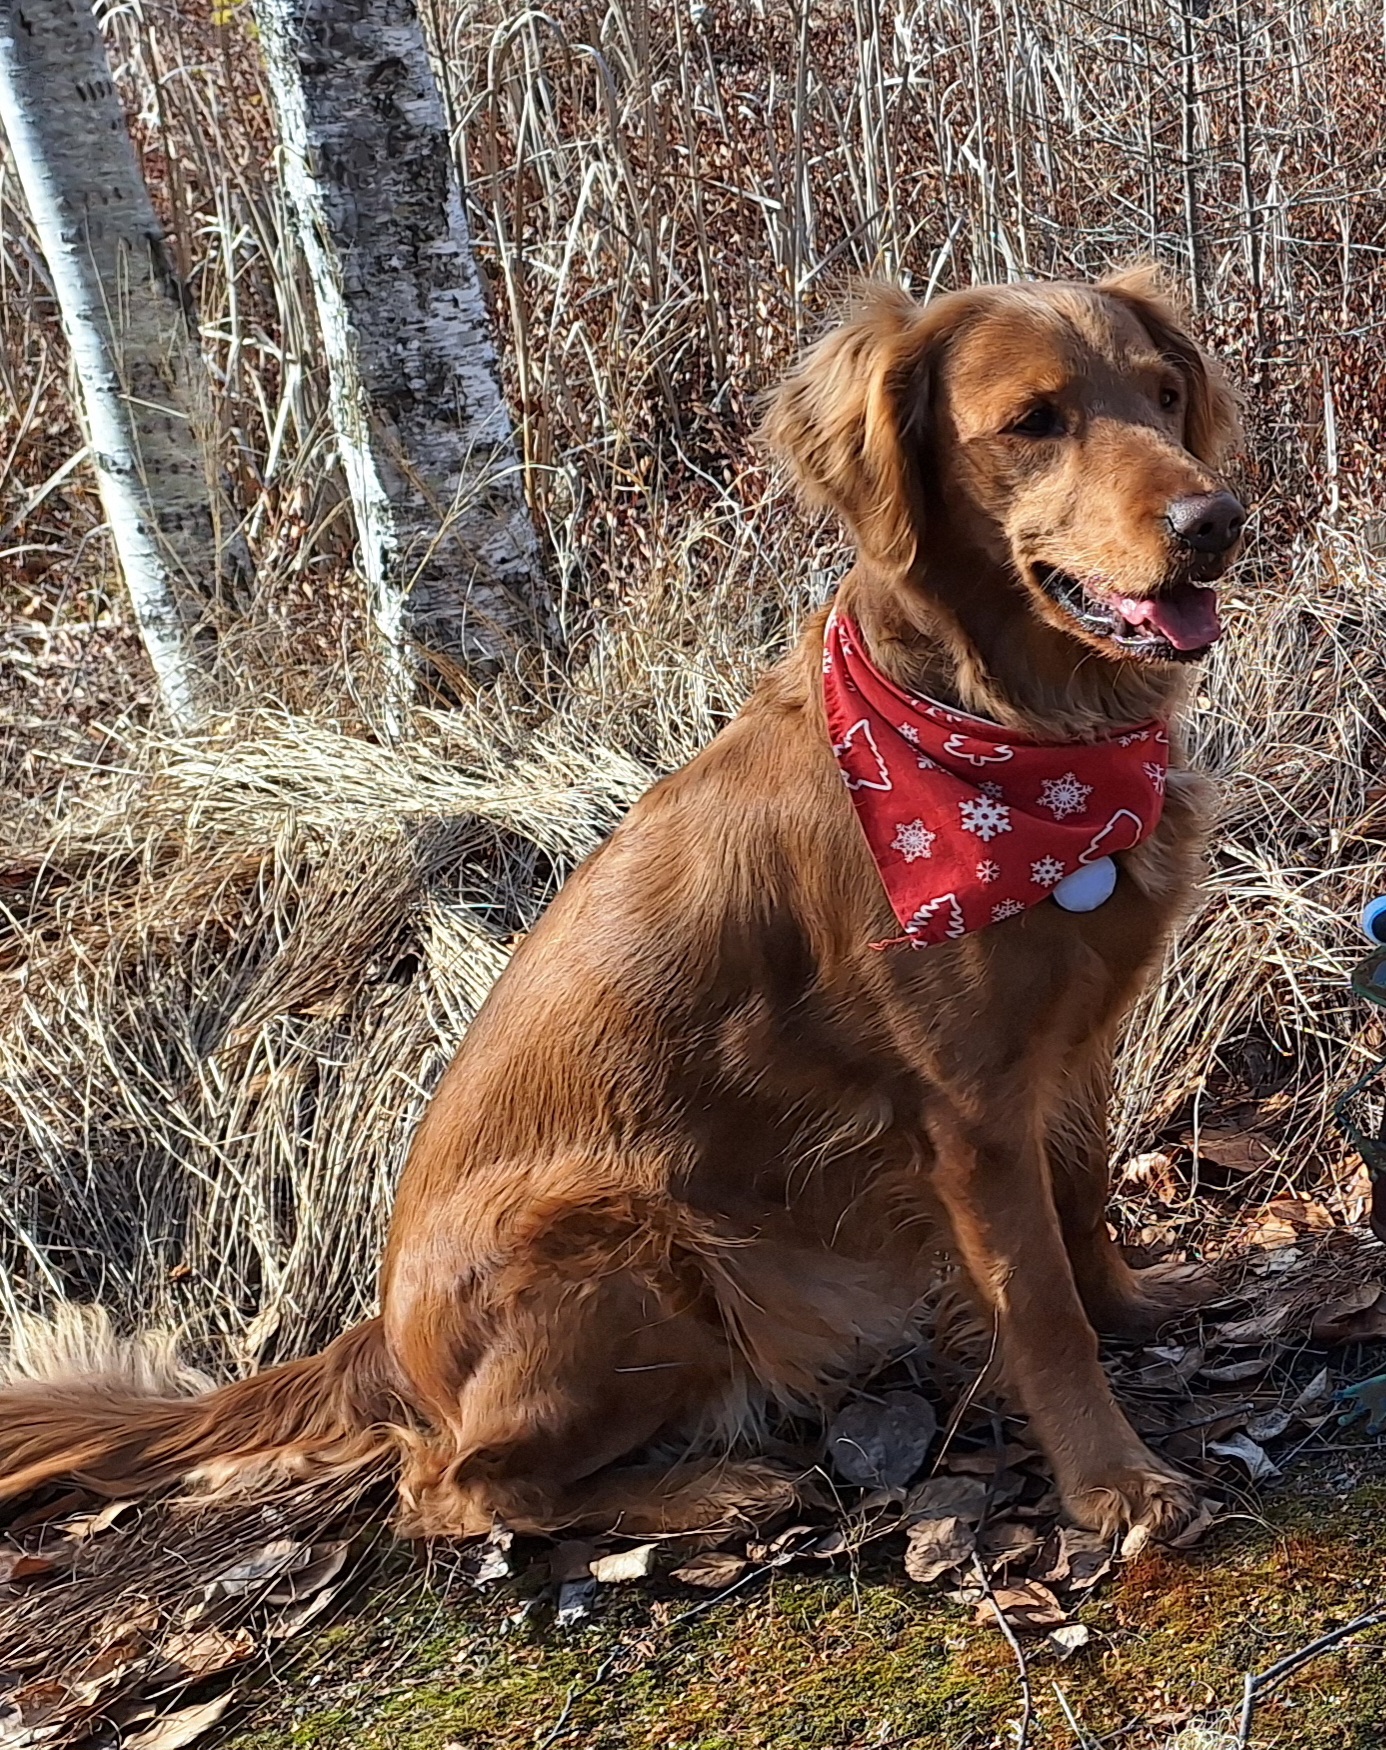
[{"x": 1141, "y": 1496}]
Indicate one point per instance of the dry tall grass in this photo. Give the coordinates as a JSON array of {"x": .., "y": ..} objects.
[{"x": 235, "y": 965}]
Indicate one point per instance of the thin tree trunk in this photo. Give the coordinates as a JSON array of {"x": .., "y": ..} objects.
[
  {"x": 139, "y": 373},
  {"x": 446, "y": 540}
]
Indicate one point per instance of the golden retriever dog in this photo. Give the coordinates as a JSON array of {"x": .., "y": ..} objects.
[{"x": 700, "y": 1152}]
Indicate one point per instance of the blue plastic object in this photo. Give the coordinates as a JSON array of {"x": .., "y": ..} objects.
[
  {"x": 1366, "y": 1398},
  {"x": 1374, "y": 920}
]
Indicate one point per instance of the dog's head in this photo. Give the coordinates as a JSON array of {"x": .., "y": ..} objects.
[{"x": 1070, "y": 435}]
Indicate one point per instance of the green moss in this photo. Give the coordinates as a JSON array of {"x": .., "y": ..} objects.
[{"x": 835, "y": 1661}]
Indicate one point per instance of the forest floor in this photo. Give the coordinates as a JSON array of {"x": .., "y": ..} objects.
[{"x": 863, "y": 1658}]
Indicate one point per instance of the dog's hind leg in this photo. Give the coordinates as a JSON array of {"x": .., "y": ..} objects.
[{"x": 559, "y": 1368}]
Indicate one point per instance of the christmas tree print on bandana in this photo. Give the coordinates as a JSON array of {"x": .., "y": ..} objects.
[{"x": 970, "y": 824}]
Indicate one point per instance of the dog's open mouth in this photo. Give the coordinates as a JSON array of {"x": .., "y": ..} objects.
[{"x": 1178, "y": 625}]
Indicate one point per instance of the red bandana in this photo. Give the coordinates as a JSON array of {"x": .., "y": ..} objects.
[{"x": 969, "y": 823}]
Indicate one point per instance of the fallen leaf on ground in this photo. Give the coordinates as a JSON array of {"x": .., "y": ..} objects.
[
  {"x": 205, "y": 1651},
  {"x": 183, "y": 1727},
  {"x": 1246, "y": 1452},
  {"x": 944, "y": 1497},
  {"x": 625, "y": 1564},
  {"x": 267, "y": 1563},
  {"x": 292, "y": 1621},
  {"x": 1355, "y": 1317},
  {"x": 490, "y": 1561},
  {"x": 987, "y": 1463},
  {"x": 326, "y": 1561},
  {"x": 31, "y": 1707},
  {"x": 1233, "y": 1371},
  {"x": 937, "y": 1545},
  {"x": 1269, "y": 1425},
  {"x": 17, "y": 1564},
  {"x": 1073, "y": 1557},
  {"x": 1155, "y": 1172},
  {"x": 882, "y": 1444},
  {"x": 1069, "y": 1637},
  {"x": 1235, "y": 1151},
  {"x": 1260, "y": 1329},
  {"x": 1026, "y": 1606},
  {"x": 712, "y": 1570},
  {"x": 1197, "y": 1527},
  {"x": 1317, "y": 1393},
  {"x": 1010, "y": 1541},
  {"x": 92, "y": 1524}
]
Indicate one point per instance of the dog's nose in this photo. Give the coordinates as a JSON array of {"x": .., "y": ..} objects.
[{"x": 1209, "y": 522}]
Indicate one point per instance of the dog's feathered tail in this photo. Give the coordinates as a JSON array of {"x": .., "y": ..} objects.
[{"x": 120, "y": 1431}]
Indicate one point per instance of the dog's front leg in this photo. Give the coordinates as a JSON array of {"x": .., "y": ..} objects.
[
  {"x": 995, "y": 1190},
  {"x": 1120, "y": 1301}
]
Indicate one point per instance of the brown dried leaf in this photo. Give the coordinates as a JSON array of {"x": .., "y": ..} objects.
[
  {"x": 1194, "y": 1531},
  {"x": 1154, "y": 1172},
  {"x": 936, "y": 1546},
  {"x": 1245, "y": 1451},
  {"x": 1235, "y": 1151},
  {"x": 175, "y": 1730},
  {"x": 1259, "y": 1329},
  {"x": 17, "y": 1564},
  {"x": 1232, "y": 1371},
  {"x": 203, "y": 1652},
  {"x": 1359, "y": 1316},
  {"x": 712, "y": 1570},
  {"x": 291, "y": 1621},
  {"x": 267, "y": 1563},
  {"x": 93, "y": 1524},
  {"x": 1073, "y": 1557},
  {"x": 1026, "y": 1605},
  {"x": 326, "y": 1561},
  {"x": 945, "y": 1497}
]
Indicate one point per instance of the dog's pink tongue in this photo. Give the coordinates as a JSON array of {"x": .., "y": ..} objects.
[{"x": 1188, "y": 618}]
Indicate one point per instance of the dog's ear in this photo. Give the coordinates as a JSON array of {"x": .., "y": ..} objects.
[
  {"x": 1212, "y": 420},
  {"x": 850, "y": 420}
]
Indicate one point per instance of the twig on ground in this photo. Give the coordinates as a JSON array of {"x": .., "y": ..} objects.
[
  {"x": 1085, "y": 1742},
  {"x": 1257, "y": 1686},
  {"x": 1022, "y": 1664}
]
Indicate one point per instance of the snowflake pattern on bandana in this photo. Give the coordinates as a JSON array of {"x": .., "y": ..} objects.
[
  {"x": 970, "y": 824},
  {"x": 985, "y": 817},
  {"x": 1064, "y": 796},
  {"x": 912, "y": 840}
]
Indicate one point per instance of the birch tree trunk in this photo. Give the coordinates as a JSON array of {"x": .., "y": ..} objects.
[
  {"x": 139, "y": 373},
  {"x": 446, "y": 540}
]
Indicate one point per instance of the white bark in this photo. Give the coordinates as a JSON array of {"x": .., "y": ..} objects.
[
  {"x": 138, "y": 370},
  {"x": 446, "y": 541}
]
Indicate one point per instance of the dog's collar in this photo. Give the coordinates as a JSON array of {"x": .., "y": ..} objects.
[{"x": 969, "y": 823}]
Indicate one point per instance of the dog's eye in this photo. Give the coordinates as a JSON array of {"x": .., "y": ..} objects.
[
  {"x": 1169, "y": 396},
  {"x": 1041, "y": 421}
]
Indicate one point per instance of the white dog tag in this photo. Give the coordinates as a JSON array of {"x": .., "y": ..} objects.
[{"x": 1087, "y": 888}]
